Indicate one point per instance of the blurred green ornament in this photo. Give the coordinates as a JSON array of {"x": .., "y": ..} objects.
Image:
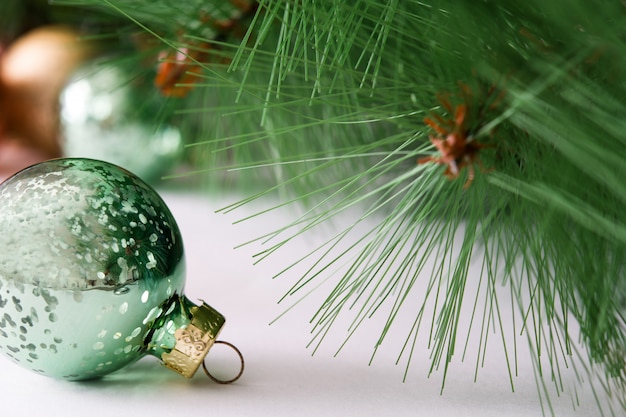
[
  {"x": 107, "y": 117},
  {"x": 92, "y": 272}
]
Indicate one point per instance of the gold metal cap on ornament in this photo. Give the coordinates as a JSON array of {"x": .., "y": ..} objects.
[{"x": 194, "y": 342}]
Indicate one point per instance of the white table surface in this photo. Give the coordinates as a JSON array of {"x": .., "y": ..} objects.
[{"x": 282, "y": 377}]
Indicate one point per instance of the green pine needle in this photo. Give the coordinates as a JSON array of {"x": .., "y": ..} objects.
[{"x": 323, "y": 103}]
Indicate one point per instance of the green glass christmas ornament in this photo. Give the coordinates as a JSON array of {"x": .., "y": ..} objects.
[
  {"x": 92, "y": 273},
  {"x": 106, "y": 116}
]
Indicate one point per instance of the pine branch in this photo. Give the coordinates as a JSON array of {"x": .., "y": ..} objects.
[{"x": 515, "y": 114}]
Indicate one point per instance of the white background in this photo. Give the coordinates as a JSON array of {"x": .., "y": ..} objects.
[{"x": 282, "y": 377}]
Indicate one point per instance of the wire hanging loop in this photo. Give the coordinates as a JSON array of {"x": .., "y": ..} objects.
[{"x": 227, "y": 381}]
